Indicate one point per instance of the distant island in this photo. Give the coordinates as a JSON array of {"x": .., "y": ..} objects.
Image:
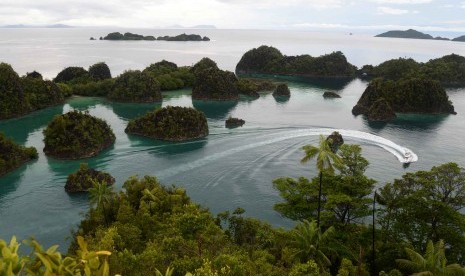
[
  {"x": 131, "y": 36},
  {"x": 460, "y": 38},
  {"x": 410, "y": 33}
]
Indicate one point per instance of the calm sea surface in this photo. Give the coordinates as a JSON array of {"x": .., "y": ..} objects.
[{"x": 229, "y": 168}]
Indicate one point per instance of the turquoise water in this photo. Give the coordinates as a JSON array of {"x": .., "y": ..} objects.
[{"x": 231, "y": 167}]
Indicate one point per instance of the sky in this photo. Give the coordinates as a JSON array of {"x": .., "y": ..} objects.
[{"x": 424, "y": 15}]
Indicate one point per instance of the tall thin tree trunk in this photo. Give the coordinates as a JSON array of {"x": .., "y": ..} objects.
[{"x": 319, "y": 201}]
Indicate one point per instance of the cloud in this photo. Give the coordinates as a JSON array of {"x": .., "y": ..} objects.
[
  {"x": 308, "y": 25},
  {"x": 402, "y": 2},
  {"x": 316, "y": 4},
  {"x": 391, "y": 11}
]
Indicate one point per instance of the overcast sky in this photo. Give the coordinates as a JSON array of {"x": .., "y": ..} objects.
[{"x": 433, "y": 15}]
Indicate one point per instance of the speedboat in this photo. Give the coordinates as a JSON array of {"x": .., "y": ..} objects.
[{"x": 408, "y": 157}]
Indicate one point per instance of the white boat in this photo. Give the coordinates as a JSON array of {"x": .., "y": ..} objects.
[{"x": 408, "y": 157}]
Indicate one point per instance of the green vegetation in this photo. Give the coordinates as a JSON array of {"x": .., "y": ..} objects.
[
  {"x": 71, "y": 73},
  {"x": 136, "y": 86},
  {"x": 172, "y": 123},
  {"x": 127, "y": 36},
  {"x": 269, "y": 60},
  {"x": 410, "y": 33},
  {"x": 250, "y": 87},
  {"x": 404, "y": 96},
  {"x": 170, "y": 76},
  {"x": 84, "y": 179},
  {"x": 76, "y": 135},
  {"x": 50, "y": 261},
  {"x": 100, "y": 71},
  {"x": 20, "y": 96},
  {"x": 212, "y": 83},
  {"x": 12, "y": 156},
  {"x": 184, "y": 37},
  {"x": 449, "y": 70}
]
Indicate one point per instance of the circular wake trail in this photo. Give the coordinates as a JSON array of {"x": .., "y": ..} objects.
[{"x": 404, "y": 155}]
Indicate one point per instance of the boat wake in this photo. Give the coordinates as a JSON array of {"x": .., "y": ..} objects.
[{"x": 404, "y": 155}]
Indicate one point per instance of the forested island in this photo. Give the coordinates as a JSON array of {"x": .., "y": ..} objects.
[
  {"x": 13, "y": 156},
  {"x": 382, "y": 98},
  {"x": 85, "y": 179},
  {"x": 172, "y": 123},
  {"x": 131, "y": 36},
  {"x": 448, "y": 70},
  {"x": 135, "y": 87},
  {"x": 460, "y": 38},
  {"x": 22, "y": 95},
  {"x": 270, "y": 61},
  {"x": 77, "y": 135}
]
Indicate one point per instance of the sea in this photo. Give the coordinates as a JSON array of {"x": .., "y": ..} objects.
[{"x": 229, "y": 168}]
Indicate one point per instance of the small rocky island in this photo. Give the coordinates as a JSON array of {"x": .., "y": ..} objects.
[
  {"x": 213, "y": 83},
  {"x": 266, "y": 60},
  {"x": 84, "y": 178},
  {"x": 172, "y": 123},
  {"x": 136, "y": 87},
  {"x": 384, "y": 97},
  {"x": 170, "y": 76},
  {"x": 131, "y": 36},
  {"x": 22, "y": 95},
  {"x": 330, "y": 95},
  {"x": 282, "y": 90},
  {"x": 13, "y": 156},
  {"x": 234, "y": 122},
  {"x": 77, "y": 135},
  {"x": 460, "y": 38}
]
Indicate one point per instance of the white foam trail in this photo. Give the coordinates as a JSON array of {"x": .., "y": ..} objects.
[{"x": 404, "y": 155}]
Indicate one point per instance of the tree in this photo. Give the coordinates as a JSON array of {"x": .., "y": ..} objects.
[
  {"x": 325, "y": 158},
  {"x": 426, "y": 205},
  {"x": 433, "y": 263},
  {"x": 313, "y": 244},
  {"x": 100, "y": 195}
]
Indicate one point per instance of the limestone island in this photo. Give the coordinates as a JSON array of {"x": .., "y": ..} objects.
[
  {"x": 266, "y": 60},
  {"x": 448, "y": 70},
  {"x": 184, "y": 37},
  {"x": 382, "y": 98},
  {"x": 171, "y": 123},
  {"x": 410, "y": 33},
  {"x": 136, "y": 87},
  {"x": 22, "y": 95},
  {"x": 13, "y": 156},
  {"x": 234, "y": 122},
  {"x": 84, "y": 178},
  {"x": 127, "y": 36},
  {"x": 212, "y": 83},
  {"x": 170, "y": 76},
  {"x": 460, "y": 38},
  {"x": 77, "y": 135},
  {"x": 282, "y": 90}
]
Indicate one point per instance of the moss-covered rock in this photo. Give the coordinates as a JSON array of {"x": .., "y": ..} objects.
[
  {"x": 170, "y": 76},
  {"x": 282, "y": 90},
  {"x": 405, "y": 96},
  {"x": 204, "y": 63},
  {"x": 13, "y": 156},
  {"x": 136, "y": 86},
  {"x": 214, "y": 84},
  {"x": 84, "y": 179},
  {"x": 381, "y": 111},
  {"x": 77, "y": 135},
  {"x": 71, "y": 73},
  {"x": 234, "y": 122},
  {"x": 269, "y": 60},
  {"x": 99, "y": 71},
  {"x": 172, "y": 123}
]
